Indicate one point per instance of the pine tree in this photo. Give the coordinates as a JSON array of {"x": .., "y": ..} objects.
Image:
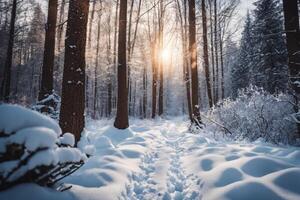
[
  {"x": 73, "y": 88},
  {"x": 49, "y": 51},
  {"x": 121, "y": 121},
  {"x": 240, "y": 71},
  {"x": 5, "y": 87},
  {"x": 193, "y": 62},
  {"x": 205, "y": 54},
  {"x": 270, "y": 55},
  {"x": 291, "y": 15},
  {"x": 292, "y": 28}
]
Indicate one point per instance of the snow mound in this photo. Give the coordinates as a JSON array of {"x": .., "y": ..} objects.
[
  {"x": 31, "y": 149},
  {"x": 289, "y": 180},
  {"x": 14, "y": 118},
  {"x": 239, "y": 171},
  {"x": 248, "y": 191},
  {"x": 261, "y": 166},
  {"x": 67, "y": 139},
  {"x": 117, "y": 136},
  {"x": 229, "y": 176}
]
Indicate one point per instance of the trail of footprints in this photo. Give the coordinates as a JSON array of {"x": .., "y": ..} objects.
[
  {"x": 179, "y": 186},
  {"x": 143, "y": 186}
]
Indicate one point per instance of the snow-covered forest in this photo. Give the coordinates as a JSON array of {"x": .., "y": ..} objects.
[{"x": 149, "y": 99}]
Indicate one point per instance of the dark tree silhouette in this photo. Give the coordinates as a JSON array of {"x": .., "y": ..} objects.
[
  {"x": 8, "y": 62},
  {"x": 73, "y": 88},
  {"x": 121, "y": 121},
  {"x": 291, "y": 15},
  {"x": 193, "y": 62},
  {"x": 49, "y": 50},
  {"x": 205, "y": 54}
]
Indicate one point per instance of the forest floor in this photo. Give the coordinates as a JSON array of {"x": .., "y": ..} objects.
[{"x": 161, "y": 160}]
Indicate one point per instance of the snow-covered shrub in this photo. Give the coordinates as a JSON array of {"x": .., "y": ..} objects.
[
  {"x": 32, "y": 148},
  {"x": 256, "y": 114},
  {"x": 49, "y": 106}
]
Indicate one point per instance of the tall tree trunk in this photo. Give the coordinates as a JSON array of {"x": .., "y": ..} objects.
[
  {"x": 186, "y": 70},
  {"x": 291, "y": 15},
  {"x": 216, "y": 52},
  {"x": 187, "y": 65},
  {"x": 131, "y": 108},
  {"x": 222, "y": 65},
  {"x": 111, "y": 73},
  {"x": 161, "y": 63},
  {"x": 205, "y": 54},
  {"x": 121, "y": 121},
  {"x": 144, "y": 112},
  {"x": 154, "y": 78},
  {"x": 95, "y": 108},
  {"x": 73, "y": 88},
  {"x": 114, "y": 98},
  {"x": 212, "y": 51},
  {"x": 49, "y": 52},
  {"x": 9, "y": 55},
  {"x": 193, "y": 62}
]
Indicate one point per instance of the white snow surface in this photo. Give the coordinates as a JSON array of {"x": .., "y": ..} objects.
[
  {"x": 160, "y": 159},
  {"x": 14, "y": 117},
  {"x": 67, "y": 139}
]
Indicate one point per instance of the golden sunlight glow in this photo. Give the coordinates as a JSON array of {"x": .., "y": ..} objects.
[{"x": 166, "y": 55}]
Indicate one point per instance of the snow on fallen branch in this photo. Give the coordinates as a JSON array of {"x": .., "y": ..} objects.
[{"x": 33, "y": 150}]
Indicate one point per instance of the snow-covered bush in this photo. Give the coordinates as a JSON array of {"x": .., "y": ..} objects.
[
  {"x": 256, "y": 114},
  {"x": 32, "y": 148},
  {"x": 49, "y": 106}
]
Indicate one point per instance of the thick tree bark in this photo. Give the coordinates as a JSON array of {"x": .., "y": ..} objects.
[
  {"x": 131, "y": 107},
  {"x": 193, "y": 62},
  {"x": 205, "y": 54},
  {"x": 49, "y": 51},
  {"x": 293, "y": 40},
  {"x": 121, "y": 121},
  {"x": 291, "y": 15},
  {"x": 9, "y": 55},
  {"x": 73, "y": 88}
]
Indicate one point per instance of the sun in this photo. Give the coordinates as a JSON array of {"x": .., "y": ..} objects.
[{"x": 166, "y": 55}]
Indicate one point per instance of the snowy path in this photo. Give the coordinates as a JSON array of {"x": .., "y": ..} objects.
[
  {"x": 162, "y": 174},
  {"x": 160, "y": 160}
]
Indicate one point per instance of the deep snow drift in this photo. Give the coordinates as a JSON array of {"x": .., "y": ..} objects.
[{"x": 161, "y": 160}]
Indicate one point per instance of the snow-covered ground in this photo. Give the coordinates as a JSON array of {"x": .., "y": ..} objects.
[{"x": 161, "y": 160}]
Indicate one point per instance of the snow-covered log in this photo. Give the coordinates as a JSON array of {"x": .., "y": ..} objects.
[{"x": 32, "y": 148}]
